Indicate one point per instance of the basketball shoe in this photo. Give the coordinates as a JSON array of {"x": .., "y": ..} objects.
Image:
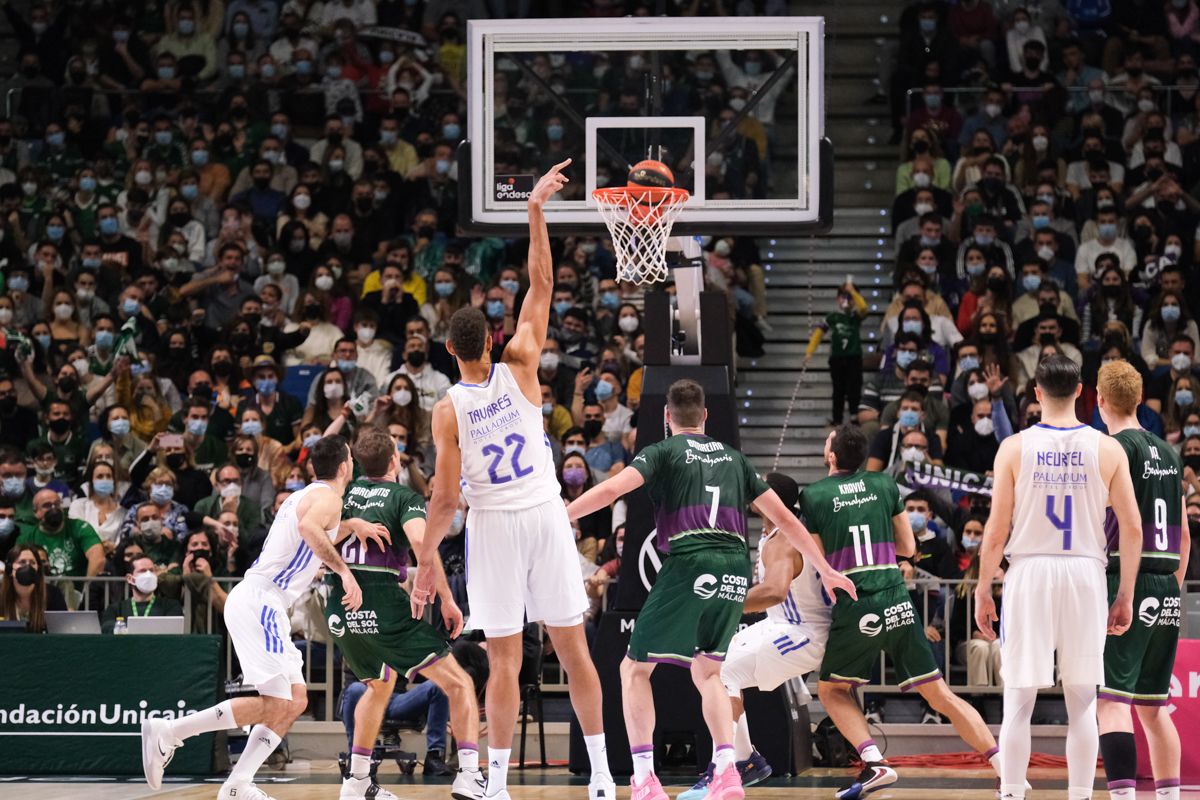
[
  {"x": 158, "y": 748},
  {"x": 875, "y": 775},
  {"x": 649, "y": 789},
  {"x": 700, "y": 790},
  {"x": 754, "y": 769},
  {"x": 469, "y": 784},
  {"x": 242, "y": 791},
  {"x": 362, "y": 788},
  {"x": 602, "y": 787},
  {"x": 727, "y": 785}
]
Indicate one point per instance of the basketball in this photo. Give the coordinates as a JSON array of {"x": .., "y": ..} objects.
[{"x": 651, "y": 173}]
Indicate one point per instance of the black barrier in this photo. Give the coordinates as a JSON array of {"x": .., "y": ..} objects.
[{"x": 774, "y": 725}]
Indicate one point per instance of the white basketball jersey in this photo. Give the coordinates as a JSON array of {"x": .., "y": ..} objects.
[
  {"x": 506, "y": 458},
  {"x": 805, "y": 602},
  {"x": 286, "y": 559},
  {"x": 1060, "y": 498}
]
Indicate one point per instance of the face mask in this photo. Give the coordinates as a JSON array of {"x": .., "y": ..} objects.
[
  {"x": 1040, "y": 222},
  {"x": 984, "y": 427},
  {"x": 909, "y": 418},
  {"x": 146, "y": 582},
  {"x": 1031, "y": 282},
  {"x": 554, "y": 133},
  {"x": 442, "y": 166},
  {"x": 25, "y": 574},
  {"x": 968, "y": 363},
  {"x": 604, "y": 390},
  {"x": 1172, "y": 252},
  {"x": 1181, "y": 362},
  {"x": 118, "y": 427},
  {"x": 971, "y": 545},
  {"x": 912, "y": 326},
  {"x": 324, "y": 283},
  {"x": 103, "y": 487},
  {"x": 923, "y": 208},
  {"x": 1184, "y": 397},
  {"x": 510, "y": 286},
  {"x": 252, "y": 427},
  {"x": 311, "y": 440},
  {"x": 495, "y": 309},
  {"x": 293, "y": 485},
  {"x": 151, "y": 530},
  {"x": 1191, "y": 430},
  {"x": 933, "y": 101},
  {"x": 575, "y": 476},
  {"x": 1170, "y": 313},
  {"x": 1145, "y": 105},
  {"x": 130, "y": 306},
  {"x": 197, "y": 427},
  {"x": 13, "y": 487},
  {"x": 415, "y": 358},
  {"x": 59, "y": 426},
  {"x": 109, "y": 225},
  {"x": 917, "y": 520},
  {"x": 610, "y": 300},
  {"x": 913, "y": 454},
  {"x": 162, "y": 493},
  {"x": 43, "y": 340},
  {"x": 1107, "y": 230},
  {"x": 19, "y": 283},
  {"x": 562, "y": 307},
  {"x": 905, "y": 357},
  {"x": 984, "y": 239},
  {"x": 547, "y": 409},
  {"x": 333, "y": 391},
  {"x": 977, "y": 391},
  {"x": 231, "y": 490},
  {"x": 402, "y": 397},
  {"x": 573, "y": 448},
  {"x": 245, "y": 460},
  {"x": 104, "y": 339},
  {"x": 52, "y": 520},
  {"x": 444, "y": 288},
  {"x": 302, "y": 202},
  {"x": 628, "y": 324},
  {"x": 335, "y": 165},
  {"x": 1046, "y": 253},
  {"x": 346, "y": 365},
  {"x": 549, "y": 361},
  {"x": 592, "y": 428}
]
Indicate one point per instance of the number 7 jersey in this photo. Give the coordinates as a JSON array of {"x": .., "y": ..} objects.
[
  {"x": 1060, "y": 497},
  {"x": 507, "y": 463}
]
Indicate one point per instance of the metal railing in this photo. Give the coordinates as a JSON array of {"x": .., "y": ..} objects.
[
  {"x": 974, "y": 91},
  {"x": 935, "y": 598}
]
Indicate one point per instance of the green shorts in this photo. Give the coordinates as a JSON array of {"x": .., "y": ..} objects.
[
  {"x": 382, "y": 636},
  {"x": 694, "y": 608},
  {"x": 1137, "y": 665},
  {"x": 884, "y": 621}
]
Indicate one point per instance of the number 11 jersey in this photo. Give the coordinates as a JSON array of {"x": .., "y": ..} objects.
[
  {"x": 507, "y": 463},
  {"x": 1060, "y": 497},
  {"x": 852, "y": 513}
]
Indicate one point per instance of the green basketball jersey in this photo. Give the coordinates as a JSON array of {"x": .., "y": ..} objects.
[
  {"x": 853, "y": 516},
  {"x": 389, "y": 504},
  {"x": 1157, "y": 473},
  {"x": 700, "y": 488}
]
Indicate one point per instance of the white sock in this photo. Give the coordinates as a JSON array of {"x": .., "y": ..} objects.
[
  {"x": 497, "y": 780},
  {"x": 597, "y": 755},
  {"x": 742, "y": 748},
  {"x": 643, "y": 762},
  {"x": 360, "y": 766},
  {"x": 993, "y": 758},
  {"x": 260, "y": 744},
  {"x": 722, "y": 758},
  {"x": 216, "y": 718},
  {"x": 1127, "y": 793},
  {"x": 1167, "y": 793},
  {"x": 468, "y": 757},
  {"x": 1083, "y": 740},
  {"x": 1014, "y": 741},
  {"x": 869, "y": 751}
]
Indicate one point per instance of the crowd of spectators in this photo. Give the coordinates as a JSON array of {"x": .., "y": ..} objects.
[
  {"x": 229, "y": 227},
  {"x": 1044, "y": 203}
]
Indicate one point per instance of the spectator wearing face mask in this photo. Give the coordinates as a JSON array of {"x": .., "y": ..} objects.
[
  {"x": 227, "y": 496},
  {"x": 575, "y": 478},
  {"x": 974, "y": 443},
  {"x": 604, "y": 455},
  {"x": 1167, "y": 317},
  {"x": 72, "y": 546},
  {"x": 46, "y": 474},
  {"x": 144, "y": 601},
  {"x": 99, "y": 507},
  {"x": 607, "y": 393},
  {"x": 892, "y": 446},
  {"x": 980, "y": 655},
  {"x": 431, "y": 385},
  {"x": 24, "y": 594}
]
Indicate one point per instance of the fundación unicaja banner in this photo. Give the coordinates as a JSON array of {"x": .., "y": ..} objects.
[{"x": 75, "y": 704}]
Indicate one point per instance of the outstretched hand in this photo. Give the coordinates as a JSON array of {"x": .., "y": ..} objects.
[
  {"x": 833, "y": 580},
  {"x": 549, "y": 184}
]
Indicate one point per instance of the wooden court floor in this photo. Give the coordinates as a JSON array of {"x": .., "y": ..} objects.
[{"x": 319, "y": 781}]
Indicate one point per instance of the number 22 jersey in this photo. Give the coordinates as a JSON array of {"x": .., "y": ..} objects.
[{"x": 507, "y": 463}]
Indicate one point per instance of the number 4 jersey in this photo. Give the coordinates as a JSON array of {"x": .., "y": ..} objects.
[
  {"x": 852, "y": 513},
  {"x": 506, "y": 459},
  {"x": 1157, "y": 472},
  {"x": 1060, "y": 498}
]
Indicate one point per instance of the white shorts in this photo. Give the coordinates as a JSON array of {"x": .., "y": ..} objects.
[
  {"x": 1053, "y": 603},
  {"x": 769, "y": 653},
  {"x": 523, "y": 565},
  {"x": 261, "y": 632}
]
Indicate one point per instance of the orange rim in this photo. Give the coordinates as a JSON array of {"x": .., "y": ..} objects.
[{"x": 621, "y": 195}]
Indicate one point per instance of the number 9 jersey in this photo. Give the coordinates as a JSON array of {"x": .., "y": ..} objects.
[
  {"x": 506, "y": 458},
  {"x": 1060, "y": 498}
]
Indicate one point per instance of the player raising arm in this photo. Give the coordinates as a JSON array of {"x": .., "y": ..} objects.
[
  {"x": 492, "y": 446},
  {"x": 1053, "y": 483}
]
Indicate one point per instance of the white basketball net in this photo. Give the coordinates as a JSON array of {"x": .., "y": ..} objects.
[{"x": 640, "y": 221}]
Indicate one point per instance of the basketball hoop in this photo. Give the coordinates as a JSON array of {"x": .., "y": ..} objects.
[{"x": 639, "y": 219}]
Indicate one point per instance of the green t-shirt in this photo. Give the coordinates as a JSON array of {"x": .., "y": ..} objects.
[
  {"x": 853, "y": 516},
  {"x": 700, "y": 488},
  {"x": 1157, "y": 473},
  {"x": 66, "y": 549},
  {"x": 389, "y": 504},
  {"x": 844, "y": 339}
]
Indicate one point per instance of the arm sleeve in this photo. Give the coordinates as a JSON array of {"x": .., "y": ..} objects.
[
  {"x": 814, "y": 341},
  {"x": 860, "y": 305},
  {"x": 1000, "y": 421}
]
